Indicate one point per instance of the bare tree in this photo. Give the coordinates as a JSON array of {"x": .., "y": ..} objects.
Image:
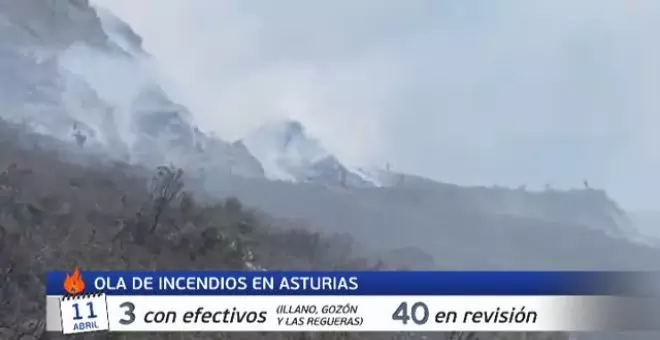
[{"x": 165, "y": 187}]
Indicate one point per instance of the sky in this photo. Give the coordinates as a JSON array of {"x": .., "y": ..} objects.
[{"x": 513, "y": 92}]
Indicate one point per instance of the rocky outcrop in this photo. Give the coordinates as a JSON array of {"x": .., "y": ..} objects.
[{"x": 69, "y": 71}]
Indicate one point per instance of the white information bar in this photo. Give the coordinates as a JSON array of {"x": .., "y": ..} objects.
[{"x": 323, "y": 313}]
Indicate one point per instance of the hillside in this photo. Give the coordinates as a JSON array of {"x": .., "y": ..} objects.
[
  {"x": 57, "y": 214},
  {"x": 448, "y": 223}
]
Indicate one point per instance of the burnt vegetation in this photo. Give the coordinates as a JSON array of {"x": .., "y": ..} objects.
[{"x": 56, "y": 213}]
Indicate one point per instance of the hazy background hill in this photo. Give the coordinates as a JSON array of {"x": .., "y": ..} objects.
[{"x": 456, "y": 225}]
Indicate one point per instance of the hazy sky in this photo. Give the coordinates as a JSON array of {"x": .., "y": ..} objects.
[{"x": 470, "y": 92}]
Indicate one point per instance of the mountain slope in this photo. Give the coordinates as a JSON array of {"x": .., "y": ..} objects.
[
  {"x": 586, "y": 207},
  {"x": 66, "y": 70},
  {"x": 65, "y": 66},
  {"x": 55, "y": 214},
  {"x": 448, "y": 223}
]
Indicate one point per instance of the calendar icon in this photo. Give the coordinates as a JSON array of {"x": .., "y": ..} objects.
[{"x": 84, "y": 313}]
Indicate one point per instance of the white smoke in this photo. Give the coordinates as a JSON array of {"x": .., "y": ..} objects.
[{"x": 511, "y": 92}]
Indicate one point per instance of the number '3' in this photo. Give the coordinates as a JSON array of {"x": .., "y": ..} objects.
[{"x": 129, "y": 315}]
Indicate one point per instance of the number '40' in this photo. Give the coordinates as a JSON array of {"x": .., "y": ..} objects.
[
  {"x": 401, "y": 313},
  {"x": 77, "y": 310}
]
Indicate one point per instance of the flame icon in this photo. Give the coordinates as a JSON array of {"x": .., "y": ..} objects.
[{"x": 74, "y": 283}]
